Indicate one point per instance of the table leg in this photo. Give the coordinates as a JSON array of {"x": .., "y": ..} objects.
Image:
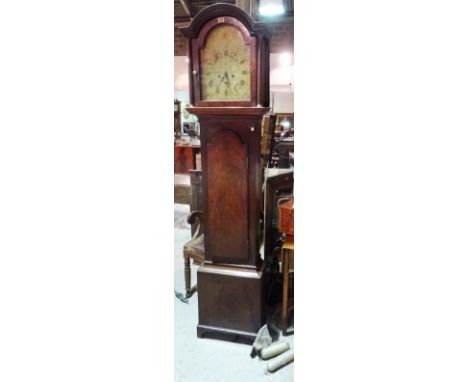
[{"x": 284, "y": 307}]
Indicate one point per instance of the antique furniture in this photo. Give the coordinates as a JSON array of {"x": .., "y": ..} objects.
[
  {"x": 278, "y": 184},
  {"x": 282, "y": 140},
  {"x": 185, "y": 158},
  {"x": 195, "y": 248},
  {"x": 284, "y": 148},
  {"x": 196, "y": 193},
  {"x": 176, "y": 118},
  {"x": 268, "y": 139},
  {"x": 286, "y": 226},
  {"x": 229, "y": 88},
  {"x": 287, "y": 258}
]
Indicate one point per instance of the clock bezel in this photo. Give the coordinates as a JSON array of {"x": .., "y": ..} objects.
[{"x": 198, "y": 44}]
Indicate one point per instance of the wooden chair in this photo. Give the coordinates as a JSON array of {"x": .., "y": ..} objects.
[{"x": 194, "y": 249}]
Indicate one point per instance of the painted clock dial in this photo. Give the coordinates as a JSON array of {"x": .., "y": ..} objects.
[{"x": 225, "y": 66}]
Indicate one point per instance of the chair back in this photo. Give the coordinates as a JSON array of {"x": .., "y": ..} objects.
[{"x": 196, "y": 193}]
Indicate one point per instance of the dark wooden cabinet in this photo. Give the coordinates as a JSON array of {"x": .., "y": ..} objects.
[{"x": 231, "y": 280}]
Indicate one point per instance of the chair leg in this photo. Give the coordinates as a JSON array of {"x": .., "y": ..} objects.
[
  {"x": 191, "y": 291},
  {"x": 187, "y": 278}
]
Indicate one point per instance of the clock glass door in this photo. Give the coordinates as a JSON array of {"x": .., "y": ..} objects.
[{"x": 225, "y": 65}]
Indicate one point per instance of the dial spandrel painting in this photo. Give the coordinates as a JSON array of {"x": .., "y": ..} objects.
[{"x": 225, "y": 66}]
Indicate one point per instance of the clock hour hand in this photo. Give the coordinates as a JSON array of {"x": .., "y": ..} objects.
[
  {"x": 227, "y": 82},
  {"x": 219, "y": 82}
]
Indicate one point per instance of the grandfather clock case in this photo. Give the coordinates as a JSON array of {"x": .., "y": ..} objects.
[{"x": 229, "y": 91}]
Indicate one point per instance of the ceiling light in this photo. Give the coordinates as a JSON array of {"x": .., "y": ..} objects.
[{"x": 271, "y": 7}]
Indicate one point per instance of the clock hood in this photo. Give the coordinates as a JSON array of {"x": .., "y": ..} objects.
[{"x": 224, "y": 9}]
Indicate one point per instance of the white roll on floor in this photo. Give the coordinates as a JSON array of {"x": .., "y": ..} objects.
[
  {"x": 280, "y": 361},
  {"x": 274, "y": 349}
]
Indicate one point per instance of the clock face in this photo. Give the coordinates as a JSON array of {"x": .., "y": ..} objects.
[{"x": 225, "y": 66}]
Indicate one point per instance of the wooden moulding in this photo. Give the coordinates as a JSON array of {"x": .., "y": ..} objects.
[
  {"x": 228, "y": 111},
  {"x": 216, "y": 10}
]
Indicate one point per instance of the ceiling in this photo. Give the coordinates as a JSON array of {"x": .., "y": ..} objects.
[{"x": 185, "y": 10}]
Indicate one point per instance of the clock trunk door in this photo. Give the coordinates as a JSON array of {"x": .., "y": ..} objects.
[{"x": 227, "y": 197}]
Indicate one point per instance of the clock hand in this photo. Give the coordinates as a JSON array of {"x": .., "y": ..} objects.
[
  {"x": 219, "y": 83},
  {"x": 228, "y": 83}
]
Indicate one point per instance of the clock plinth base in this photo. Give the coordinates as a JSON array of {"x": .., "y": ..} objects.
[
  {"x": 230, "y": 302},
  {"x": 213, "y": 332}
]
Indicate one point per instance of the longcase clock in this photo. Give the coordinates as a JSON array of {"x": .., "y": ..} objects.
[{"x": 229, "y": 91}]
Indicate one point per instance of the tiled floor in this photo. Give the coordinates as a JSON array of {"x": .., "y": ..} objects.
[{"x": 206, "y": 360}]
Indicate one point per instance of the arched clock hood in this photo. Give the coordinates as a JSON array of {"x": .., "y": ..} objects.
[{"x": 223, "y": 9}]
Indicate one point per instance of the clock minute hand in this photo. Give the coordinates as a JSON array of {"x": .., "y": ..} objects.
[{"x": 227, "y": 83}]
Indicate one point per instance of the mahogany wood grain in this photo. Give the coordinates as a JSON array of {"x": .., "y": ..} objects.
[
  {"x": 237, "y": 132},
  {"x": 227, "y": 198}
]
